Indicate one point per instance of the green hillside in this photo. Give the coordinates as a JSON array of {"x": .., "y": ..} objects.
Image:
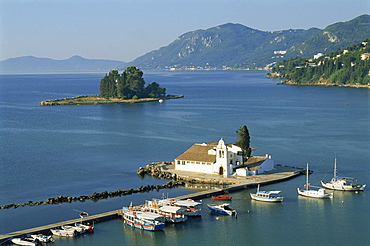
[
  {"x": 234, "y": 46},
  {"x": 349, "y": 66}
]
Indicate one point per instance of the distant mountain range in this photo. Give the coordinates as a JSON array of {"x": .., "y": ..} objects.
[
  {"x": 228, "y": 46},
  {"x": 233, "y": 46},
  {"x": 30, "y": 64}
]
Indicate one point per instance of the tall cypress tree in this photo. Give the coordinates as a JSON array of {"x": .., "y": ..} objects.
[{"x": 244, "y": 140}]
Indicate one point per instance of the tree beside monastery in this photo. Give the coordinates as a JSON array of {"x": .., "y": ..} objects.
[{"x": 244, "y": 141}]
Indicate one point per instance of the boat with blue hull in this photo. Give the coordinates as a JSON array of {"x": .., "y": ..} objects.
[
  {"x": 222, "y": 209},
  {"x": 143, "y": 220}
]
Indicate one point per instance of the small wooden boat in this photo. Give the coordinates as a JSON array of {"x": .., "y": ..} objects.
[
  {"x": 222, "y": 198},
  {"x": 25, "y": 241},
  {"x": 222, "y": 209}
]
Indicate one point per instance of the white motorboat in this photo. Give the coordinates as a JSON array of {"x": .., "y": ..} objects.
[
  {"x": 173, "y": 214},
  {"x": 192, "y": 207},
  {"x": 87, "y": 228},
  {"x": 266, "y": 196},
  {"x": 25, "y": 241},
  {"x": 63, "y": 233},
  {"x": 78, "y": 229},
  {"x": 342, "y": 183},
  {"x": 222, "y": 209},
  {"x": 42, "y": 238},
  {"x": 307, "y": 192}
]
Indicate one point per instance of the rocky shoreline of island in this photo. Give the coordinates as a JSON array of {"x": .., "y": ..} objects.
[
  {"x": 283, "y": 81},
  {"x": 287, "y": 82},
  {"x": 96, "y": 100}
]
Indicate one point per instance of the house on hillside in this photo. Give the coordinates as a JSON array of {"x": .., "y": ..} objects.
[
  {"x": 221, "y": 159},
  {"x": 365, "y": 56}
]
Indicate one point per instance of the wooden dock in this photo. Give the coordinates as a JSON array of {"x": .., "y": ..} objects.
[{"x": 253, "y": 181}]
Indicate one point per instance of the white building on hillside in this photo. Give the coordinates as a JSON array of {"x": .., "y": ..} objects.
[{"x": 219, "y": 158}]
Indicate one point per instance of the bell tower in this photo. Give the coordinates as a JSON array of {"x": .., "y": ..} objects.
[{"x": 222, "y": 158}]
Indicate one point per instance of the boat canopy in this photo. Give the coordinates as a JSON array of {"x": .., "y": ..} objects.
[
  {"x": 187, "y": 203},
  {"x": 270, "y": 192},
  {"x": 172, "y": 209},
  {"x": 148, "y": 215}
]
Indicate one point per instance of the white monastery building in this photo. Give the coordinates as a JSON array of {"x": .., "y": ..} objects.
[{"x": 219, "y": 158}]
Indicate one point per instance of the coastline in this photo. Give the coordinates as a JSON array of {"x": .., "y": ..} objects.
[
  {"x": 95, "y": 100},
  {"x": 324, "y": 84}
]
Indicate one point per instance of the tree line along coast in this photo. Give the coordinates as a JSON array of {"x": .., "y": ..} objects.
[{"x": 128, "y": 87}]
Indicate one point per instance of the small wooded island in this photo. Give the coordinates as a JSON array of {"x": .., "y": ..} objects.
[{"x": 128, "y": 87}]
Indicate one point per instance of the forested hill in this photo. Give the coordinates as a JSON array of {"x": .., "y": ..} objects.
[
  {"x": 234, "y": 46},
  {"x": 349, "y": 66}
]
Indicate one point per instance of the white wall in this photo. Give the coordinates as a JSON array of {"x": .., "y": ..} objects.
[{"x": 203, "y": 168}]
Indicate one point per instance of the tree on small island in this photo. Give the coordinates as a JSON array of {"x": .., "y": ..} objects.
[
  {"x": 244, "y": 141},
  {"x": 129, "y": 85}
]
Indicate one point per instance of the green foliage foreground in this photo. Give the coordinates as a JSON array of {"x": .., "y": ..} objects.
[{"x": 129, "y": 85}]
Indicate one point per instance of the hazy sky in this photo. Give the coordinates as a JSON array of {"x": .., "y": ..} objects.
[{"x": 126, "y": 29}]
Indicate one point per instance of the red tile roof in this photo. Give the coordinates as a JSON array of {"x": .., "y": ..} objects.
[{"x": 199, "y": 152}]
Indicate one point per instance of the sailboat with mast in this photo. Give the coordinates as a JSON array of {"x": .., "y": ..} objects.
[
  {"x": 307, "y": 192},
  {"x": 342, "y": 183}
]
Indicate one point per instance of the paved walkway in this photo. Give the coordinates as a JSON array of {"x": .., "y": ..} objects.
[{"x": 278, "y": 173}]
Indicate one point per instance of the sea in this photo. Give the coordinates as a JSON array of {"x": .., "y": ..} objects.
[{"x": 49, "y": 151}]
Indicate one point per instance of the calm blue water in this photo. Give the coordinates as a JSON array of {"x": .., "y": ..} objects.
[{"x": 78, "y": 150}]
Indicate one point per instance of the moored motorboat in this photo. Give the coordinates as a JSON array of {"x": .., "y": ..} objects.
[
  {"x": 222, "y": 198},
  {"x": 143, "y": 220},
  {"x": 192, "y": 207},
  {"x": 342, "y": 183},
  {"x": 266, "y": 196},
  {"x": 42, "y": 238},
  {"x": 81, "y": 226},
  {"x": 25, "y": 241},
  {"x": 307, "y": 192},
  {"x": 172, "y": 214},
  {"x": 78, "y": 229},
  {"x": 222, "y": 209},
  {"x": 63, "y": 233},
  {"x": 86, "y": 228}
]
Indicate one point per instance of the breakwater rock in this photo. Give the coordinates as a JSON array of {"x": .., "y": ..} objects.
[
  {"x": 97, "y": 196},
  {"x": 159, "y": 170}
]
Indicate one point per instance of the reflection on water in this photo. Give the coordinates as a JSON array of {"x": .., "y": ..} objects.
[{"x": 135, "y": 236}]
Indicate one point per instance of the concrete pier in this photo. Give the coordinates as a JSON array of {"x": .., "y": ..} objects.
[{"x": 239, "y": 184}]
